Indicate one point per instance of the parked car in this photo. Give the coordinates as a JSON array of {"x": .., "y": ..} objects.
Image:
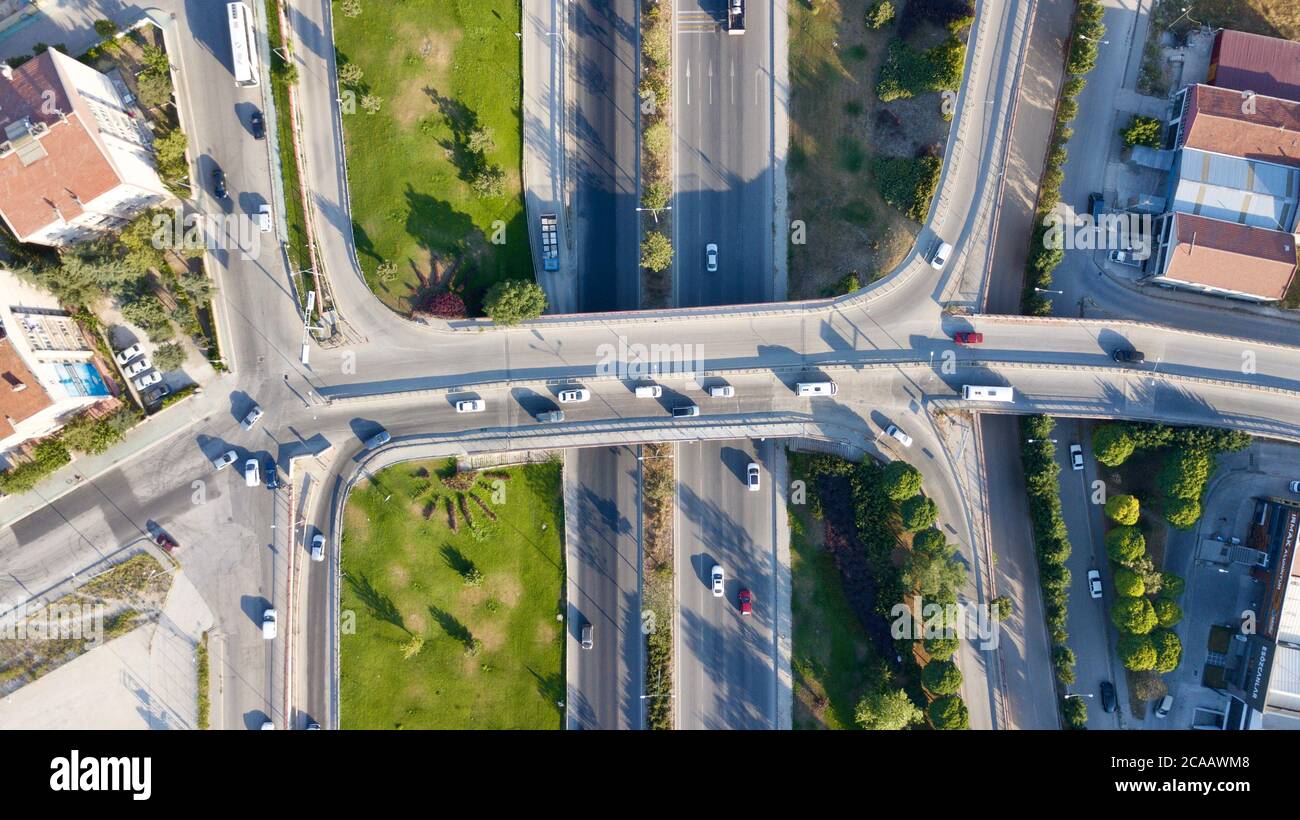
[
  {"x": 264, "y": 218},
  {"x": 1294, "y": 486},
  {"x": 148, "y": 380},
  {"x": 252, "y": 473},
  {"x": 711, "y": 257},
  {"x": 575, "y": 395},
  {"x": 1076, "y": 457},
  {"x": 898, "y": 435},
  {"x": 746, "y": 602},
  {"x": 127, "y": 355},
  {"x": 686, "y": 411},
  {"x": 219, "y": 184},
  {"x": 752, "y": 476},
  {"x": 722, "y": 391},
  {"x": 648, "y": 391},
  {"x": 165, "y": 541},
  {"x": 968, "y": 337},
  {"x": 1126, "y": 257},
  {"x": 257, "y": 125},
  {"x": 1096, "y": 204},
  {"x": 939, "y": 257},
  {"x": 378, "y": 440},
  {"x": 1094, "y": 583},
  {"x": 318, "y": 547},
  {"x": 224, "y": 460},
  {"x": 471, "y": 406},
  {"x": 272, "y": 477},
  {"x": 251, "y": 418},
  {"x": 1127, "y": 355},
  {"x": 588, "y": 636},
  {"x": 1166, "y": 704},
  {"x": 715, "y": 576},
  {"x": 1107, "y": 696},
  {"x": 136, "y": 367}
]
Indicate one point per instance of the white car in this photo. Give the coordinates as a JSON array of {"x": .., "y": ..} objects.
[
  {"x": 264, "y": 218},
  {"x": 149, "y": 380},
  {"x": 752, "y": 477},
  {"x": 1076, "y": 457},
  {"x": 224, "y": 460},
  {"x": 940, "y": 256},
  {"x": 711, "y": 257},
  {"x": 716, "y": 575},
  {"x": 574, "y": 396},
  {"x": 136, "y": 368},
  {"x": 471, "y": 406},
  {"x": 128, "y": 354},
  {"x": 318, "y": 547},
  {"x": 722, "y": 391},
  {"x": 1295, "y": 486},
  {"x": 1094, "y": 583},
  {"x": 253, "y": 473},
  {"x": 898, "y": 435},
  {"x": 252, "y": 418}
]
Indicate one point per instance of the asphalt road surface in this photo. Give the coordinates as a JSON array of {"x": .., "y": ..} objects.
[{"x": 726, "y": 675}]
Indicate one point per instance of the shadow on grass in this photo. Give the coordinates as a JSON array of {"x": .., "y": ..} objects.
[
  {"x": 451, "y": 625},
  {"x": 379, "y": 604}
]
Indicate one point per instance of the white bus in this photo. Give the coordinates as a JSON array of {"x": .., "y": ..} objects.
[
  {"x": 971, "y": 392},
  {"x": 243, "y": 45}
]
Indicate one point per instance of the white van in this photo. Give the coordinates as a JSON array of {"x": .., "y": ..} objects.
[
  {"x": 826, "y": 388},
  {"x": 269, "y": 624},
  {"x": 649, "y": 391},
  {"x": 972, "y": 392}
]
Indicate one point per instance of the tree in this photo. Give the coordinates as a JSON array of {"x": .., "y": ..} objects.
[
  {"x": 169, "y": 357},
  {"x": 350, "y": 74},
  {"x": 1112, "y": 444},
  {"x": 1125, "y": 545},
  {"x": 1168, "y": 612},
  {"x": 1063, "y": 662},
  {"x": 1171, "y": 585},
  {"x": 155, "y": 89},
  {"x": 155, "y": 59},
  {"x": 901, "y": 480},
  {"x": 489, "y": 181},
  {"x": 1183, "y": 513},
  {"x": 513, "y": 301},
  {"x": 481, "y": 140},
  {"x": 1169, "y": 650},
  {"x": 147, "y": 313},
  {"x": 941, "y": 678},
  {"x": 879, "y": 15},
  {"x": 888, "y": 710},
  {"x": 949, "y": 712},
  {"x": 370, "y": 103},
  {"x": 1136, "y": 652},
  {"x": 918, "y": 512},
  {"x": 657, "y": 139},
  {"x": 1135, "y": 615},
  {"x": 1002, "y": 606},
  {"x": 1142, "y": 131},
  {"x": 1147, "y": 685},
  {"x": 86, "y": 434},
  {"x": 1184, "y": 473},
  {"x": 1075, "y": 712},
  {"x": 1123, "y": 509},
  {"x": 350, "y": 8},
  {"x": 105, "y": 28},
  {"x": 940, "y": 649},
  {"x": 1129, "y": 583},
  {"x": 656, "y": 251},
  {"x": 655, "y": 195},
  {"x": 656, "y": 41}
]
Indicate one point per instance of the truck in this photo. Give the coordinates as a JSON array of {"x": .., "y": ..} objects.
[
  {"x": 735, "y": 16},
  {"x": 550, "y": 242}
]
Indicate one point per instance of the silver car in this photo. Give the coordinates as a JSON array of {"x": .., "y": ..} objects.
[
  {"x": 715, "y": 576},
  {"x": 252, "y": 418}
]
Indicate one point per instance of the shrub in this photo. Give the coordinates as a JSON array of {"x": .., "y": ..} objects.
[
  {"x": 1147, "y": 685},
  {"x": 513, "y": 301},
  {"x": 1133, "y": 615},
  {"x": 1142, "y": 131},
  {"x": 1183, "y": 513},
  {"x": 879, "y": 14},
  {"x": 1075, "y": 712},
  {"x": 949, "y": 712},
  {"x": 656, "y": 251},
  {"x": 1171, "y": 585},
  {"x": 1063, "y": 662},
  {"x": 1129, "y": 583},
  {"x": 890, "y": 710},
  {"x": 1184, "y": 473},
  {"x": 656, "y": 42},
  {"x": 46, "y": 457},
  {"x": 901, "y": 480},
  {"x": 1123, "y": 509},
  {"x": 447, "y": 305},
  {"x": 169, "y": 357},
  {"x": 941, "y": 678},
  {"x": 907, "y": 184},
  {"x": 105, "y": 28},
  {"x": 940, "y": 649},
  {"x": 918, "y": 512},
  {"x": 1112, "y": 444},
  {"x": 1168, "y": 612},
  {"x": 489, "y": 181},
  {"x": 1169, "y": 650},
  {"x": 1136, "y": 652},
  {"x": 1125, "y": 545}
]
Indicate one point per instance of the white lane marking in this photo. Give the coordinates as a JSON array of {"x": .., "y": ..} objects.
[
  {"x": 710, "y": 82},
  {"x": 688, "y": 82},
  {"x": 732, "y": 82}
]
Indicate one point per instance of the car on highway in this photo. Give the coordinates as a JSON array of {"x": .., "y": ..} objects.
[
  {"x": 578, "y": 394},
  {"x": 968, "y": 337},
  {"x": 257, "y": 125},
  {"x": 588, "y": 636},
  {"x": 898, "y": 435},
  {"x": 471, "y": 406},
  {"x": 253, "y": 473},
  {"x": 1094, "y": 583},
  {"x": 1127, "y": 355},
  {"x": 251, "y": 418},
  {"x": 224, "y": 460},
  {"x": 137, "y": 367},
  {"x": 716, "y": 580},
  {"x": 1096, "y": 204},
  {"x": 1294, "y": 486},
  {"x": 722, "y": 391},
  {"x": 128, "y": 354},
  {"x": 548, "y": 416},
  {"x": 378, "y": 440},
  {"x": 264, "y": 218},
  {"x": 219, "y": 184},
  {"x": 1165, "y": 705},
  {"x": 939, "y": 257},
  {"x": 711, "y": 257},
  {"x": 752, "y": 476},
  {"x": 270, "y": 626},
  {"x": 318, "y": 547},
  {"x": 746, "y": 602},
  {"x": 686, "y": 411},
  {"x": 146, "y": 381},
  {"x": 1107, "y": 696},
  {"x": 648, "y": 391},
  {"x": 272, "y": 476},
  {"x": 1076, "y": 457}
]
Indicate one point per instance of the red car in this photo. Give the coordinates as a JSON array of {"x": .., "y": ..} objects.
[
  {"x": 968, "y": 337},
  {"x": 166, "y": 541},
  {"x": 746, "y": 603}
]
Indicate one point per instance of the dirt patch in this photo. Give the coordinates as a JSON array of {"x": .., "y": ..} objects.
[
  {"x": 356, "y": 523},
  {"x": 398, "y": 576},
  {"x": 506, "y": 590}
]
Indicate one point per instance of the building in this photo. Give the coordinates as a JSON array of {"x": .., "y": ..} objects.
[
  {"x": 75, "y": 160},
  {"x": 1224, "y": 258},
  {"x": 1255, "y": 63},
  {"x": 47, "y": 366}
]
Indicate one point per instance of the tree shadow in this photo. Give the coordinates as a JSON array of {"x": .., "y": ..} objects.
[
  {"x": 451, "y": 625},
  {"x": 379, "y": 604},
  {"x": 457, "y": 560}
]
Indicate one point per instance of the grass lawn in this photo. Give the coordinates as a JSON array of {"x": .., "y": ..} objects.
[
  {"x": 442, "y": 70},
  {"x": 492, "y": 652},
  {"x": 831, "y": 649}
]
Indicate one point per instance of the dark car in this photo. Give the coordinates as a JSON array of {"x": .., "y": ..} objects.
[
  {"x": 272, "y": 477},
  {"x": 165, "y": 541},
  {"x": 1096, "y": 204},
  {"x": 219, "y": 184},
  {"x": 1107, "y": 696},
  {"x": 968, "y": 337},
  {"x": 1127, "y": 355},
  {"x": 257, "y": 125}
]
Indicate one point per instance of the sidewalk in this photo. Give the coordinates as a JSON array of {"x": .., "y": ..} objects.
[{"x": 71, "y": 23}]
